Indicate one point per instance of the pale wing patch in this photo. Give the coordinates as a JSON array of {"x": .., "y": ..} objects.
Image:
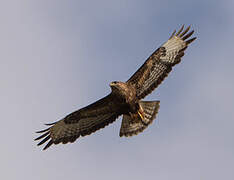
[
  {"x": 158, "y": 70},
  {"x": 160, "y": 63},
  {"x": 172, "y": 47}
]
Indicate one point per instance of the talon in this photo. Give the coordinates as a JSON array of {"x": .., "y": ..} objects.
[{"x": 140, "y": 114}]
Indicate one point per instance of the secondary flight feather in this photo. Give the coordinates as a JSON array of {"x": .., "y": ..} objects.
[{"x": 124, "y": 99}]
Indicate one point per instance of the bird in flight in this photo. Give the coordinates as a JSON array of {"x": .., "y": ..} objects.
[{"x": 124, "y": 99}]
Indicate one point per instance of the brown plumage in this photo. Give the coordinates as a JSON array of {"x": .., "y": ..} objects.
[{"x": 124, "y": 99}]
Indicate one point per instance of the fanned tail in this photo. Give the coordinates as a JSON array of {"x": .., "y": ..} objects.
[{"x": 136, "y": 123}]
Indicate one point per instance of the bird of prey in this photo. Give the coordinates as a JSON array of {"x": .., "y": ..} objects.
[{"x": 124, "y": 99}]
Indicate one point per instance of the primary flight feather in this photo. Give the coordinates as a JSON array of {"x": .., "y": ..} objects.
[{"x": 124, "y": 99}]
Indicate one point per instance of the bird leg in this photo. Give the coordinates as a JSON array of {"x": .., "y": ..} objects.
[
  {"x": 139, "y": 115},
  {"x": 140, "y": 112}
]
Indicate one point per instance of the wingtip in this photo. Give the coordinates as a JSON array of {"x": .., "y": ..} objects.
[
  {"x": 44, "y": 140},
  {"x": 172, "y": 34},
  {"x": 188, "y": 35},
  {"x": 43, "y": 135},
  {"x": 48, "y": 145},
  {"x": 49, "y": 124},
  {"x": 191, "y": 40},
  {"x": 44, "y": 130},
  {"x": 185, "y": 31},
  {"x": 181, "y": 29}
]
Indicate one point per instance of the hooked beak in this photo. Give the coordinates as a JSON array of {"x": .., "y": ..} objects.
[{"x": 112, "y": 84}]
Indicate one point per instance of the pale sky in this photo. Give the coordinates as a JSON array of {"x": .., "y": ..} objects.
[{"x": 59, "y": 56}]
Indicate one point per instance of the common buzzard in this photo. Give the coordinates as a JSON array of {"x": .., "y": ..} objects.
[{"x": 124, "y": 99}]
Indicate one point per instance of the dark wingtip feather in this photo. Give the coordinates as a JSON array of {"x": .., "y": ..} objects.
[
  {"x": 172, "y": 34},
  {"x": 188, "y": 35},
  {"x": 44, "y": 140},
  {"x": 49, "y": 124},
  {"x": 43, "y": 135},
  {"x": 191, "y": 40},
  {"x": 42, "y": 130},
  {"x": 185, "y": 31},
  {"x": 48, "y": 144},
  {"x": 181, "y": 29}
]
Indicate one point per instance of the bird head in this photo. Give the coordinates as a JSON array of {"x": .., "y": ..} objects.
[
  {"x": 117, "y": 86},
  {"x": 114, "y": 85}
]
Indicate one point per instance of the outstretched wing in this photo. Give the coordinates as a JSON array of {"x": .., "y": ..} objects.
[
  {"x": 160, "y": 63},
  {"x": 82, "y": 122}
]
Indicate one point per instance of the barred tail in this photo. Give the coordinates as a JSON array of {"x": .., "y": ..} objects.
[{"x": 134, "y": 124}]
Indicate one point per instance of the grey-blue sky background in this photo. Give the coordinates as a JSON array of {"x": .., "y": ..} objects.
[{"x": 58, "y": 56}]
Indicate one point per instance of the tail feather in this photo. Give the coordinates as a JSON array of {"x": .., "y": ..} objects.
[{"x": 132, "y": 125}]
